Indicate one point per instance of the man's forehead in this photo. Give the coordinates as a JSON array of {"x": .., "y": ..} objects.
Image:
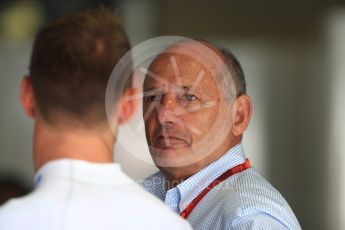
[
  {"x": 167, "y": 59},
  {"x": 176, "y": 71},
  {"x": 170, "y": 81},
  {"x": 182, "y": 65},
  {"x": 191, "y": 52}
]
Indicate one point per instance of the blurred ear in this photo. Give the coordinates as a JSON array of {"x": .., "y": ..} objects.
[
  {"x": 127, "y": 105},
  {"x": 242, "y": 111},
  {"x": 27, "y": 98}
]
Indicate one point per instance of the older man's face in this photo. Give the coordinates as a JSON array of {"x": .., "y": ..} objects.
[{"x": 183, "y": 104}]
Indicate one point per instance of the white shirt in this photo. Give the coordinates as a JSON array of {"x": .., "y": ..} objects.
[{"x": 74, "y": 194}]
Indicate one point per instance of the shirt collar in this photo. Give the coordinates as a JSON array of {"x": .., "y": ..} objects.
[
  {"x": 195, "y": 184},
  {"x": 155, "y": 184},
  {"x": 99, "y": 173}
]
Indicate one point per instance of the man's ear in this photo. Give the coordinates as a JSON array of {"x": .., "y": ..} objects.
[
  {"x": 242, "y": 111},
  {"x": 27, "y": 98},
  {"x": 127, "y": 105}
]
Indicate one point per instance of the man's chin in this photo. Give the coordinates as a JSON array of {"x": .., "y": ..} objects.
[{"x": 172, "y": 157}]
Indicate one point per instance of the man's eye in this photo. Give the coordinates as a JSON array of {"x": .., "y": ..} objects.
[
  {"x": 152, "y": 98},
  {"x": 189, "y": 97}
]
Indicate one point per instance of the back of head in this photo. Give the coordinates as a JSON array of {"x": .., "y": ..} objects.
[{"x": 71, "y": 63}]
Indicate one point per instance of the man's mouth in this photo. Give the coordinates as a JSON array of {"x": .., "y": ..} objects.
[{"x": 170, "y": 142}]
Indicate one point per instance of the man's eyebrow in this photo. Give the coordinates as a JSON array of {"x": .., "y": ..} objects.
[
  {"x": 186, "y": 88},
  {"x": 153, "y": 89},
  {"x": 145, "y": 93}
]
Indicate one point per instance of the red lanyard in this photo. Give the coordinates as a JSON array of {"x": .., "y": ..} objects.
[{"x": 221, "y": 178}]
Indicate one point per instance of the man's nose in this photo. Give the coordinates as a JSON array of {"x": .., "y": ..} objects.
[{"x": 168, "y": 110}]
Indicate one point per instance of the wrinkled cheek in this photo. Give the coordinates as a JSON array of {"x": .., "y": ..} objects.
[
  {"x": 209, "y": 120},
  {"x": 198, "y": 127}
]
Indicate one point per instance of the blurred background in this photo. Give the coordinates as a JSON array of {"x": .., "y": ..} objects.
[{"x": 293, "y": 55}]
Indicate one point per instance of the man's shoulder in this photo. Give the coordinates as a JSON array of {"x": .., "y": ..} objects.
[
  {"x": 24, "y": 211},
  {"x": 249, "y": 196},
  {"x": 43, "y": 210},
  {"x": 156, "y": 214},
  {"x": 148, "y": 210},
  {"x": 252, "y": 188},
  {"x": 7, "y": 215}
]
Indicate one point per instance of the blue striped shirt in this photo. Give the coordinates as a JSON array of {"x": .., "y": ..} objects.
[{"x": 243, "y": 201}]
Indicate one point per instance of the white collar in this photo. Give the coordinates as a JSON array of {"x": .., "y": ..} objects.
[{"x": 83, "y": 171}]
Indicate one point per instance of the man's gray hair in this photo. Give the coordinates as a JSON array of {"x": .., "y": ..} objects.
[
  {"x": 236, "y": 71},
  {"x": 234, "y": 85}
]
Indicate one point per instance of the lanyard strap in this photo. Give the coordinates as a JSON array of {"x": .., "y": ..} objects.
[{"x": 221, "y": 178}]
